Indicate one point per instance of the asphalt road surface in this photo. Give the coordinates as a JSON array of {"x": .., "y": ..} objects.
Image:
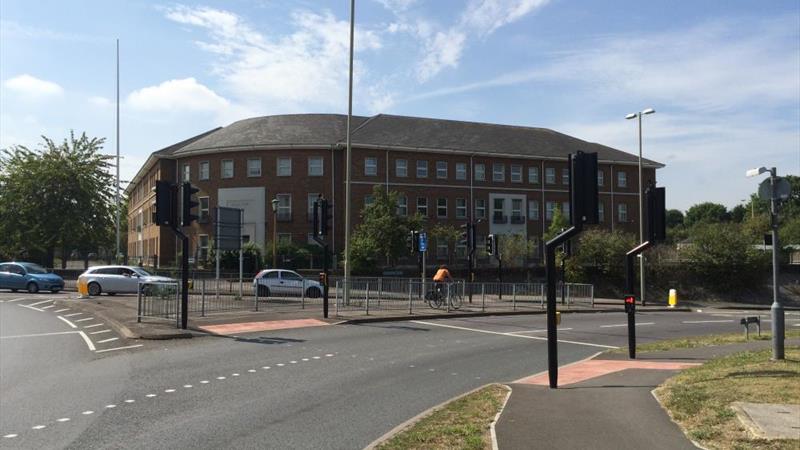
[{"x": 338, "y": 386}]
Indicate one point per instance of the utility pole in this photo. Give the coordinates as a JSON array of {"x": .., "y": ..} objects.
[
  {"x": 776, "y": 311},
  {"x": 117, "y": 253},
  {"x": 348, "y": 163}
]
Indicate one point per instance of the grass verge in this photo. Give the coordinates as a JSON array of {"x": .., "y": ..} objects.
[
  {"x": 460, "y": 424},
  {"x": 703, "y": 341},
  {"x": 699, "y": 399}
]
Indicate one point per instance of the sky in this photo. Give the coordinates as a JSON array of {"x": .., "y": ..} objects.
[{"x": 723, "y": 76}]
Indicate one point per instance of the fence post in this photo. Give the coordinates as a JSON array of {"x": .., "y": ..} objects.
[
  {"x": 255, "y": 294},
  {"x": 303, "y": 294},
  {"x": 367, "y": 302},
  {"x": 541, "y": 296},
  {"x": 336, "y": 298},
  {"x": 409, "y": 297},
  {"x": 483, "y": 297},
  {"x": 591, "y": 290},
  {"x": 203, "y": 298},
  {"x": 139, "y": 303},
  {"x": 514, "y": 296}
]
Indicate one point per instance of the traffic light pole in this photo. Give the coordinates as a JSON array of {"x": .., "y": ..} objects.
[
  {"x": 630, "y": 308},
  {"x": 550, "y": 274},
  {"x": 184, "y": 277}
]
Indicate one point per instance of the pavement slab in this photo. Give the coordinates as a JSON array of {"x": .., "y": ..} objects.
[
  {"x": 253, "y": 327},
  {"x": 586, "y": 370},
  {"x": 770, "y": 420}
]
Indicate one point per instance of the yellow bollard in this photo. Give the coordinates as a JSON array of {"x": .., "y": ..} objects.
[
  {"x": 83, "y": 289},
  {"x": 673, "y": 298},
  {"x": 558, "y": 318}
]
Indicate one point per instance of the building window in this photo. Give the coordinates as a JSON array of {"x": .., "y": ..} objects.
[
  {"x": 498, "y": 172},
  {"x": 441, "y": 169},
  {"x": 316, "y": 166},
  {"x": 284, "y": 167},
  {"x": 441, "y": 208},
  {"x": 565, "y": 177},
  {"x": 550, "y": 175},
  {"x": 622, "y": 179},
  {"x": 369, "y": 200},
  {"x": 422, "y": 169},
  {"x": 480, "y": 209},
  {"x": 549, "y": 207},
  {"x": 203, "y": 208},
  {"x": 402, "y": 205},
  {"x": 461, "y": 171},
  {"x": 533, "y": 210},
  {"x": 622, "y": 213},
  {"x": 461, "y": 251},
  {"x": 461, "y": 208},
  {"x": 310, "y": 212},
  {"x": 284, "y": 238},
  {"x": 497, "y": 210},
  {"x": 254, "y": 167},
  {"x": 284, "y": 207},
  {"x": 422, "y": 206},
  {"x": 401, "y": 168},
  {"x": 202, "y": 247},
  {"x": 565, "y": 210},
  {"x": 533, "y": 175},
  {"x": 187, "y": 172},
  {"x": 204, "y": 170},
  {"x": 227, "y": 168},
  {"x": 516, "y": 211},
  {"x": 601, "y": 213},
  {"x": 600, "y": 180},
  {"x": 516, "y": 173},
  {"x": 441, "y": 249},
  {"x": 370, "y": 166},
  {"x": 480, "y": 172}
]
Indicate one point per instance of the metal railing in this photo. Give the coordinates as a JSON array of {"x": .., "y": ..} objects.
[{"x": 160, "y": 301}]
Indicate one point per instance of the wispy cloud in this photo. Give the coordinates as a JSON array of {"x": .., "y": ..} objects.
[
  {"x": 33, "y": 87},
  {"x": 184, "y": 95}
]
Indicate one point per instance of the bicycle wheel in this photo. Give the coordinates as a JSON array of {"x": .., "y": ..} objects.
[{"x": 455, "y": 300}]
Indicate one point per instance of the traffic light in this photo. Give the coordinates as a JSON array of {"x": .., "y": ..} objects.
[
  {"x": 412, "y": 241},
  {"x": 583, "y": 188},
  {"x": 188, "y": 204},
  {"x": 323, "y": 278},
  {"x": 656, "y": 214},
  {"x": 491, "y": 245},
  {"x": 630, "y": 303},
  {"x": 321, "y": 217},
  {"x": 166, "y": 203},
  {"x": 468, "y": 237}
]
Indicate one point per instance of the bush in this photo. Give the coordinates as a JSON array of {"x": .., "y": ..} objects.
[{"x": 600, "y": 258}]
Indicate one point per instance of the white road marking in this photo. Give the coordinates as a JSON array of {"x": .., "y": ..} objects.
[
  {"x": 265, "y": 367},
  {"x": 67, "y": 322},
  {"x": 108, "y": 340},
  {"x": 329, "y": 355},
  {"x": 204, "y": 382},
  {"x": 280, "y": 364},
  {"x": 707, "y": 321},
  {"x": 63, "y": 419},
  {"x": 111, "y": 406},
  {"x": 130, "y": 400},
  {"x": 48, "y": 307},
  {"x": 38, "y": 427},
  {"x": 32, "y": 307},
  {"x": 538, "y": 338},
  {"x": 93, "y": 325},
  {"x": 100, "y": 332},
  {"x": 625, "y": 325},
  {"x": 87, "y": 340},
  {"x": 235, "y": 374},
  {"x": 84, "y": 319},
  {"x": 118, "y": 348},
  {"x": 251, "y": 370},
  {"x": 187, "y": 386},
  {"x": 220, "y": 378},
  {"x": 315, "y": 357},
  {"x": 537, "y": 331},
  {"x": 796, "y": 325},
  {"x": 73, "y": 314},
  {"x": 292, "y": 362},
  {"x": 61, "y": 310},
  {"x": 169, "y": 390},
  {"x": 15, "y": 300},
  {"x": 8, "y": 436},
  {"x": 304, "y": 359},
  {"x": 151, "y": 395},
  {"x": 86, "y": 413},
  {"x": 39, "y": 303},
  {"x": 38, "y": 334}
]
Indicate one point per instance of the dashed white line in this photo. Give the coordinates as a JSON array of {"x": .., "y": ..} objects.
[
  {"x": 94, "y": 325},
  {"x": 111, "y": 406},
  {"x": 151, "y": 395},
  {"x": 220, "y": 378},
  {"x": 130, "y": 400},
  {"x": 204, "y": 382},
  {"x": 61, "y": 310},
  {"x": 706, "y": 321},
  {"x": 100, "y": 332},
  {"x": 84, "y": 319},
  {"x": 266, "y": 367},
  {"x": 251, "y": 370},
  {"x": 292, "y": 362},
  {"x": 625, "y": 325},
  {"x": 118, "y": 348},
  {"x": 108, "y": 340},
  {"x": 315, "y": 357},
  {"x": 88, "y": 412},
  {"x": 38, "y": 427},
  {"x": 187, "y": 386},
  {"x": 329, "y": 355},
  {"x": 73, "y": 314},
  {"x": 169, "y": 391},
  {"x": 67, "y": 322},
  {"x": 304, "y": 359},
  {"x": 63, "y": 419},
  {"x": 280, "y": 364},
  {"x": 9, "y": 436}
]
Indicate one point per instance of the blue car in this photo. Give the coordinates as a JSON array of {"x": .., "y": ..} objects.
[{"x": 28, "y": 276}]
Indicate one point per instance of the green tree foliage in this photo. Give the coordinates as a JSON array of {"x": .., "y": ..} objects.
[
  {"x": 706, "y": 212},
  {"x": 60, "y": 196},
  {"x": 381, "y": 237},
  {"x": 559, "y": 223},
  {"x": 789, "y": 232},
  {"x": 600, "y": 257},
  {"x": 514, "y": 249},
  {"x": 739, "y": 213},
  {"x": 674, "y": 218},
  {"x": 291, "y": 255},
  {"x": 447, "y": 234}
]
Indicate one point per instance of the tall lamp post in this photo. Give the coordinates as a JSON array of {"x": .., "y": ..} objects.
[
  {"x": 776, "y": 311},
  {"x": 274, "y": 233},
  {"x": 641, "y": 196}
]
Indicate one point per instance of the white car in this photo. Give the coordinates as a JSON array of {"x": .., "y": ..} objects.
[
  {"x": 118, "y": 279},
  {"x": 278, "y": 282}
]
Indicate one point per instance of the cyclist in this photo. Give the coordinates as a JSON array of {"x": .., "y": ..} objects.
[{"x": 442, "y": 276}]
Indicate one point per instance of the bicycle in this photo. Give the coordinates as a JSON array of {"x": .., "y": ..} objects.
[{"x": 437, "y": 299}]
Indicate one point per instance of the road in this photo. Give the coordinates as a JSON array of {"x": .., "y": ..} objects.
[{"x": 337, "y": 386}]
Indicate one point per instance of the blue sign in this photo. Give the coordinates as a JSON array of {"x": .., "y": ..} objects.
[{"x": 423, "y": 242}]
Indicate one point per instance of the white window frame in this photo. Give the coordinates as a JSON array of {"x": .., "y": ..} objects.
[
  {"x": 201, "y": 173},
  {"x": 401, "y": 168},
  {"x": 549, "y": 210},
  {"x": 622, "y": 179},
  {"x": 251, "y": 173},
  {"x": 402, "y": 205},
  {"x": 422, "y": 205},
  {"x": 600, "y": 177},
  {"x": 370, "y": 166},
  {"x": 422, "y": 168},
  {"x": 516, "y": 173},
  {"x": 202, "y": 250},
  {"x": 187, "y": 172},
  {"x": 316, "y": 166},
  {"x": 533, "y": 209},
  {"x": 284, "y": 212},
  {"x": 565, "y": 177},
  {"x": 441, "y": 170},
  {"x": 622, "y": 213},
  {"x": 223, "y": 171},
  {"x": 480, "y": 172},
  {"x": 550, "y": 175},
  {"x": 201, "y": 212},
  {"x": 499, "y": 172},
  {"x": 533, "y": 175},
  {"x": 480, "y": 208},
  {"x": 283, "y": 166},
  {"x": 439, "y": 207},
  {"x": 518, "y": 211},
  {"x": 461, "y": 208},
  {"x": 461, "y": 171}
]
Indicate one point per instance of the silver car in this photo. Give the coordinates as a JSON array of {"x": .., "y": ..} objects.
[
  {"x": 118, "y": 279},
  {"x": 278, "y": 283}
]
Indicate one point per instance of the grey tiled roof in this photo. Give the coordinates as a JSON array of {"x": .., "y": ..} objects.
[{"x": 390, "y": 131}]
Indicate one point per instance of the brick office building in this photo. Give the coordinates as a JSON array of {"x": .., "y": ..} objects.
[{"x": 449, "y": 171}]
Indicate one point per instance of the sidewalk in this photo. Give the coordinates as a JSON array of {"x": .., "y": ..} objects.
[{"x": 602, "y": 403}]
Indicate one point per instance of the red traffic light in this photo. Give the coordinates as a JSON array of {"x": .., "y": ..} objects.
[{"x": 630, "y": 299}]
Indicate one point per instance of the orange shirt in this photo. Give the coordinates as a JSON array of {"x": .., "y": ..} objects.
[{"x": 441, "y": 275}]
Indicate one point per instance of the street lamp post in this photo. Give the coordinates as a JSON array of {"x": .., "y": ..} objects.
[
  {"x": 274, "y": 233},
  {"x": 641, "y": 197},
  {"x": 776, "y": 311}
]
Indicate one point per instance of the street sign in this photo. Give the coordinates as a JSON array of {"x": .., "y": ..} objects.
[
  {"x": 782, "y": 189},
  {"x": 423, "y": 241},
  {"x": 229, "y": 229}
]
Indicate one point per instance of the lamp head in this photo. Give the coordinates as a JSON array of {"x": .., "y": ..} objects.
[
  {"x": 274, "y": 204},
  {"x": 648, "y": 111},
  {"x": 756, "y": 172},
  {"x": 631, "y": 116}
]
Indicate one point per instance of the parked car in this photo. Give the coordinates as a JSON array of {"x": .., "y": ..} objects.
[
  {"x": 278, "y": 282},
  {"x": 29, "y": 276},
  {"x": 119, "y": 279}
]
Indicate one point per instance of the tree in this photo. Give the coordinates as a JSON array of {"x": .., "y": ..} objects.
[
  {"x": 446, "y": 233},
  {"x": 600, "y": 257},
  {"x": 382, "y": 232},
  {"x": 558, "y": 224},
  {"x": 706, "y": 212},
  {"x": 514, "y": 248},
  {"x": 60, "y": 196},
  {"x": 674, "y": 218},
  {"x": 739, "y": 213},
  {"x": 789, "y": 232}
]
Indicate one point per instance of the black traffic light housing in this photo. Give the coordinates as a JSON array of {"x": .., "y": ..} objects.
[
  {"x": 188, "y": 204},
  {"x": 583, "y": 188},
  {"x": 468, "y": 237},
  {"x": 412, "y": 241},
  {"x": 656, "y": 214},
  {"x": 491, "y": 245},
  {"x": 321, "y": 217},
  {"x": 166, "y": 203}
]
